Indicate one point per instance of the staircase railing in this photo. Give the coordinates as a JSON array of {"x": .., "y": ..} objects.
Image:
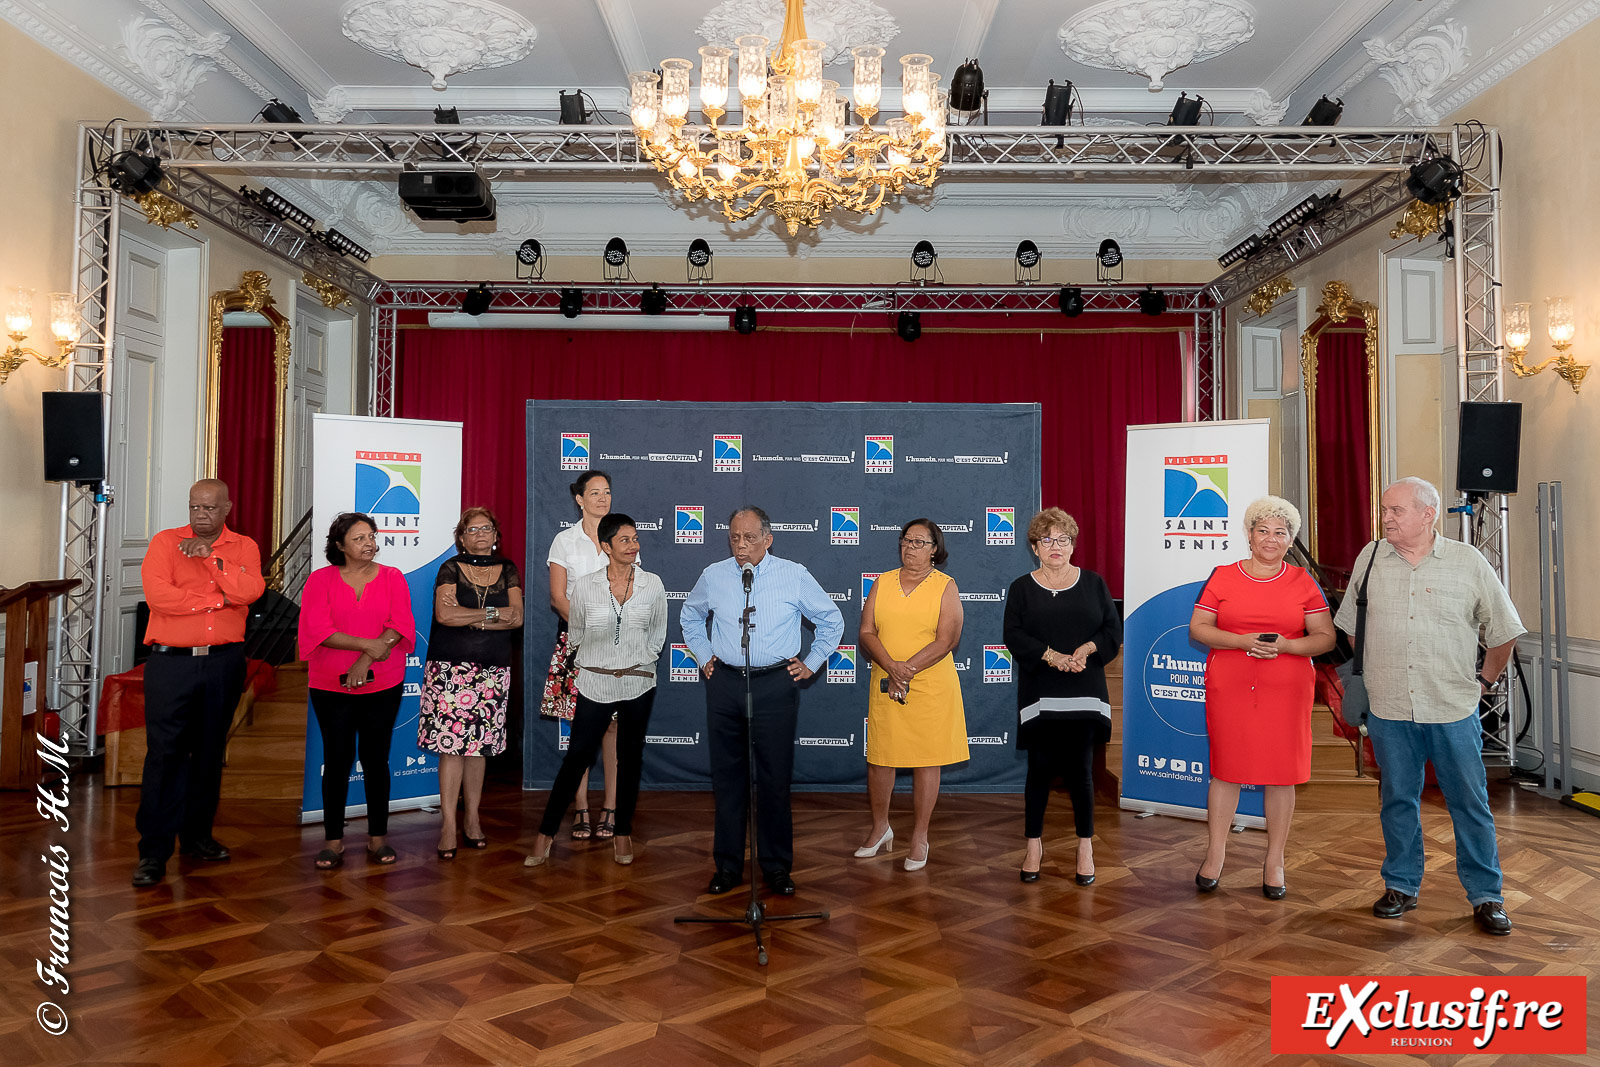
[{"x": 270, "y": 630}]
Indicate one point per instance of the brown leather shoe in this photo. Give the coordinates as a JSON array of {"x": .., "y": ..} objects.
[{"x": 1491, "y": 918}]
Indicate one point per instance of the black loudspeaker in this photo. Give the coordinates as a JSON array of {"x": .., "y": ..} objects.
[
  {"x": 1489, "y": 446},
  {"x": 74, "y": 437}
]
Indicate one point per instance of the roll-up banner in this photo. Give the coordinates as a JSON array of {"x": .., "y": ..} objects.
[
  {"x": 406, "y": 474},
  {"x": 1188, "y": 486}
]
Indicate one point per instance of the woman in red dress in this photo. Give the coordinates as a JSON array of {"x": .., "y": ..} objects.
[{"x": 1263, "y": 621}]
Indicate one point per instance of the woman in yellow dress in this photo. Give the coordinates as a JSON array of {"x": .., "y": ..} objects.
[{"x": 910, "y": 623}]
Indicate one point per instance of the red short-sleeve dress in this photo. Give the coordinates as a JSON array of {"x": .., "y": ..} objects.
[{"x": 1258, "y": 711}]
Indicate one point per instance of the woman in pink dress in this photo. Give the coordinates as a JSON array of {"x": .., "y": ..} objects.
[{"x": 355, "y": 631}]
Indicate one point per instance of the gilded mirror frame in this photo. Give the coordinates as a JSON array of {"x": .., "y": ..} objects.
[
  {"x": 253, "y": 295},
  {"x": 1339, "y": 306}
]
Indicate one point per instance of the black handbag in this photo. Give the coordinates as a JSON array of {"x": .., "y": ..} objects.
[{"x": 1356, "y": 708}]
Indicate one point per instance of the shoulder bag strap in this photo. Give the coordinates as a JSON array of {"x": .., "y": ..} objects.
[{"x": 1361, "y": 610}]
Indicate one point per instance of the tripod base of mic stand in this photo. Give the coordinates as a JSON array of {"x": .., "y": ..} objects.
[{"x": 754, "y": 917}]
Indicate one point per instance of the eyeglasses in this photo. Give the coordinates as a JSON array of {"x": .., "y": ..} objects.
[
  {"x": 478, "y": 529},
  {"x": 746, "y": 539},
  {"x": 1049, "y": 542},
  {"x": 915, "y": 542}
]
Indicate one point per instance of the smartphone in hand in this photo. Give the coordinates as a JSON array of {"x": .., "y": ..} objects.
[
  {"x": 1266, "y": 638},
  {"x": 883, "y": 687},
  {"x": 344, "y": 679}
]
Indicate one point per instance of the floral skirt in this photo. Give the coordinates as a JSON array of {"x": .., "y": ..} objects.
[{"x": 463, "y": 709}]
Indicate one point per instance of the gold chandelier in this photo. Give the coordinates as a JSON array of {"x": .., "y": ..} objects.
[{"x": 793, "y": 152}]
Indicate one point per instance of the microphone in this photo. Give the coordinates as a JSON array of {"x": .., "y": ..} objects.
[{"x": 749, "y": 576}]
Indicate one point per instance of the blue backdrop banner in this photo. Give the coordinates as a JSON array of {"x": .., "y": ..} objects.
[{"x": 838, "y": 480}]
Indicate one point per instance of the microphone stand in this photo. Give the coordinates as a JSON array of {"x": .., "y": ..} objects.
[{"x": 755, "y": 915}]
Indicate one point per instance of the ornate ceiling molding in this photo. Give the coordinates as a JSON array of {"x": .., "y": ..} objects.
[
  {"x": 843, "y": 24},
  {"x": 1419, "y": 70},
  {"x": 442, "y": 37},
  {"x": 334, "y": 106},
  {"x": 1533, "y": 40},
  {"x": 1155, "y": 37},
  {"x": 169, "y": 61},
  {"x": 1265, "y": 111},
  {"x": 1428, "y": 18},
  {"x": 212, "y": 46}
]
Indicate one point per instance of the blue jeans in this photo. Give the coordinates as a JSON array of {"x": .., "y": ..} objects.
[{"x": 1456, "y": 751}]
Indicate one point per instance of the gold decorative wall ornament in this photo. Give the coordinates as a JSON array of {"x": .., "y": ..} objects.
[
  {"x": 1338, "y": 305},
  {"x": 1421, "y": 220},
  {"x": 164, "y": 211},
  {"x": 64, "y": 325},
  {"x": 1519, "y": 334},
  {"x": 1264, "y": 296},
  {"x": 331, "y": 295},
  {"x": 253, "y": 295}
]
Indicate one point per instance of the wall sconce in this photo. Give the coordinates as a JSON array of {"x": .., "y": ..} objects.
[
  {"x": 19, "y": 320},
  {"x": 1519, "y": 334}
]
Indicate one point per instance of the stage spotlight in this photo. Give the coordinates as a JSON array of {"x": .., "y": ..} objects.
[
  {"x": 1028, "y": 260},
  {"x": 572, "y": 303},
  {"x": 476, "y": 301},
  {"x": 273, "y": 204},
  {"x": 653, "y": 301},
  {"x": 699, "y": 260},
  {"x": 614, "y": 264},
  {"x": 1070, "y": 301},
  {"x": 1303, "y": 212},
  {"x": 277, "y": 111},
  {"x": 132, "y": 173},
  {"x": 446, "y": 116},
  {"x": 1057, "y": 104},
  {"x": 1435, "y": 181},
  {"x": 744, "y": 319},
  {"x": 1152, "y": 301},
  {"x": 343, "y": 245},
  {"x": 909, "y": 325},
  {"x": 530, "y": 258},
  {"x": 1109, "y": 259},
  {"x": 1324, "y": 112},
  {"x": 1242, "y": 251},
  {"x": 573, "y": 113},
  {"x": 967, "y": 95},
  {"x": 1186, "y": 112},
  {"x": 924, "y": 261}
]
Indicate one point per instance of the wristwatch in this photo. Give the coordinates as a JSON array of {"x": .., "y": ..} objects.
[{"x": 1485, "y": 682}]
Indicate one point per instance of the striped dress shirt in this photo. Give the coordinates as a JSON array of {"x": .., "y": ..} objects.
[{"x": 783, "y": 592}]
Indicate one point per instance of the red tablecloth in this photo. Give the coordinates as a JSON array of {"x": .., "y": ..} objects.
[{"x": 122, "y": 695}]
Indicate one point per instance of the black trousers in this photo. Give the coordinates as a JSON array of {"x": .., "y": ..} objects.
[
  {"x": 188, "y": 706},
  {"x": 1066, "y": 750},
  {"x": 351, "y": 724},
  {"x": 590, "y": 720},
  {"x": 777, "y": 707}
]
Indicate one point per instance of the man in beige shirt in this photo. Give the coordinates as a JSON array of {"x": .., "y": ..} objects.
[{"x": 1427, "y": 599}]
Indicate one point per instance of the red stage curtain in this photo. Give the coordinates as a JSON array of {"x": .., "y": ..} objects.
[
  {"x": 1344, "y": 521},
  {"x": 246, "y": 422},
  {"x": 1091, "y": 385}
]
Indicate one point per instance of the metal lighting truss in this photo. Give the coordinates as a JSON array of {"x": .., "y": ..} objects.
[{"x": 1046, "y": 154}]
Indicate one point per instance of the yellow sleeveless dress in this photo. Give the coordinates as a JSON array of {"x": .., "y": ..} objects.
[{"x": 930, "y": 730}]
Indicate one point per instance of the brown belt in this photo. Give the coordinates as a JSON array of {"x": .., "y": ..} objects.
[{"x": 621, "y": 672}]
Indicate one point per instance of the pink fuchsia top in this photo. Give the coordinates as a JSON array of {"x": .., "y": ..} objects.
[{"x": 329, "y": 606}]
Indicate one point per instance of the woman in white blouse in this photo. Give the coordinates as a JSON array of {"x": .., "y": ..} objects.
[
  {"x": 574, "y": 553},
  {"x": 618, "y": 624}
]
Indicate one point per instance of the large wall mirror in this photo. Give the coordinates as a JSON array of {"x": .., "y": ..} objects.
[
  {"x": 1339, "y": 362},
  {"x": 246, "y": 406}
]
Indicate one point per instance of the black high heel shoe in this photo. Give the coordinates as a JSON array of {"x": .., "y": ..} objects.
[
  {"x": 1032, "y": 876},
  {"x": 475, "y": 842},
  {"x": 1205, "y": 885},
  {"x": 1274, "y": 892}
]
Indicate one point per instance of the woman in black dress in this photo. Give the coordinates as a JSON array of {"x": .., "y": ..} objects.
[
  {"x": 466, "y": 685},
  {"x": 1062, "y": 629}
]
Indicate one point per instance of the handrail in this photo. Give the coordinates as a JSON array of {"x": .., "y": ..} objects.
[
  {"x": 269, "y": 632},
  {"x": 1342, "y": 650},
  {"x": 272, "y": 569}
]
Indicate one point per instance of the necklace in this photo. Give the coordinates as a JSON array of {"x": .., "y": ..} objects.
[
  {"x": 616, "y": 608},
  {"x": 470, "y": 573},
  {"x": 1071, "y": 572}
]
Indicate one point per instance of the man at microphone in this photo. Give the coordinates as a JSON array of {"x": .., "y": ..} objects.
[{"x": 781, "y": 593}]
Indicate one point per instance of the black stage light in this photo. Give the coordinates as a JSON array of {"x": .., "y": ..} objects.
[
  {"x": 614, "y": 264},
  {"x": 1324, "y": 112},
  {"x": 744, "y": 319},
  {"x": 132, "y": 173},
  {"x": 530, "y": 258},
  {"x": 343, "y": 245},
  {"x": 1152, "y": 301},
  {"x": 572, "y": 303},
  {"x": 273, "y": 204},
  {"x": 573, "y": 113},
  {"x": 699, "y": 260},
  {"x": 1304, "y": 211},
  {"x": 1057, "y": 104},
  {"x": 653, "y": 301},
  {"x": 1028, "y": 260},
  {"x": 1435, "y": 181},
  {"x": 1186, "y": 112},
  {"x": 446, "y": 116},
  {"x": 924, "y": 261},
  {"x": 277, "y": 111},
  {"x": 1242, "y": 251},
  {"x": 1109, "y": 259},
  {"x": 1070, "y": 301},
  {"x": 476, "y": 301},
  {"x": 967, "y": 94},
  {"x": 909, "y": 325}
]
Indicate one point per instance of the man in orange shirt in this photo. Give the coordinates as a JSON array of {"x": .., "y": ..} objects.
[{"x": 199, "y": 581}]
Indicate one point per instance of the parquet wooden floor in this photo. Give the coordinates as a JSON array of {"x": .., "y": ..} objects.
[{"x": 263, "y": 961}]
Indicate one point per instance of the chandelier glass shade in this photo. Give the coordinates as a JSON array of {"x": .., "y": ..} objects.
[{"x": 793, "y": 150}]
